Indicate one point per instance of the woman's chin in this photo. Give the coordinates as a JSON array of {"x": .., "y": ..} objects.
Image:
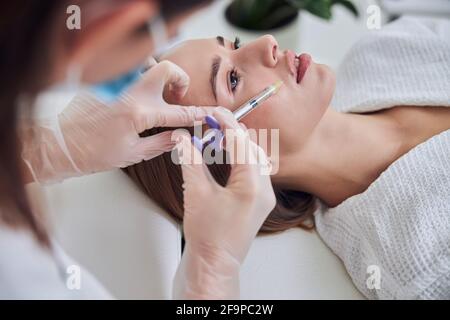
[
  {"x": 327, "y": 83},
  {"x": 326, "y": 74}
]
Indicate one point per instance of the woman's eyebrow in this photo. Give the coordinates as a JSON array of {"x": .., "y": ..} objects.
[
  {"x": 221, "y": 40},
  {"x": 215, "y": 66}
]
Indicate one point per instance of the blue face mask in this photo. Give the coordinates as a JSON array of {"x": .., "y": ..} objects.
[{"x": 110, "y": 91}]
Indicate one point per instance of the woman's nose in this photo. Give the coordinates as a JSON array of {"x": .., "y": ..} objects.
[
  {"x": 262, "y": 51},
  {"x": 269, "y": 49}
]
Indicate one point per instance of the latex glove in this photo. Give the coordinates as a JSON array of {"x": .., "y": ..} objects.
[
  {"x": 89, "y": 136},
  {"x": 220, "y": 223}
]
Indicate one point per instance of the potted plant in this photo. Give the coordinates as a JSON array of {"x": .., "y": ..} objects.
[{"x": 252, "y": 18}]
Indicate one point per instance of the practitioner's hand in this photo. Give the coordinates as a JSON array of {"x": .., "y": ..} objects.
[
  {"x": 89, "y": 136},
  {"x": 220, "y": 223}
]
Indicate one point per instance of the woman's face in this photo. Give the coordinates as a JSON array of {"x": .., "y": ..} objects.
[{"x": 228, "y": 75}]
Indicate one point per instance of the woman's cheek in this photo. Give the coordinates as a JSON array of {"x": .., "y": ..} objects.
[{"x": 260, "y": 118}]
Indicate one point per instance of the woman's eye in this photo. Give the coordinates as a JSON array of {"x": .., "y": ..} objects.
[{"x": 234, "y": 80}]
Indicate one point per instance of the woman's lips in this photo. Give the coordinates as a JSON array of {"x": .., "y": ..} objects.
[
  {"x": 298, "y": 64},
  {"x": 302, "y": 63}
]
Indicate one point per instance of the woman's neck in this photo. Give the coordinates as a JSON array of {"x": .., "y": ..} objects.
[{"x": 343, "y": 156}]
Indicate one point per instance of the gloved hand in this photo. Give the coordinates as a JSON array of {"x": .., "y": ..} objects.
[
  {"x": 89, "y": 136},
  {"x": 220, "y": 223}
]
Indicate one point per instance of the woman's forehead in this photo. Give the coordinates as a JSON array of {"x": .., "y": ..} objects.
[
  {"x": 199, "y": 47},
  {"x": 195, "y": 58}
]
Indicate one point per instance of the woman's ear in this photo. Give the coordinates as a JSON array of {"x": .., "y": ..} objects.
[{"x": 113, "y": 37}]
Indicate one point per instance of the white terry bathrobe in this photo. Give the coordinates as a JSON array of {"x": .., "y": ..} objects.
[{"x": 399, "y": 228}]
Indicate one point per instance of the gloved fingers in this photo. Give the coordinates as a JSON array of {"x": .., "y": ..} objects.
[
  {"x": 231, "y": 129},
  {"x": 169, "y": 115},
  {"x": 244, "y": 175},
  {"x": 236, "y": 137},
  {"x": 196, "y": 176},
  {"x": 255, "y": 154},
  {"x": 148, "y": 106},
  {"x": 226, "y": 119},
  {"x": 255, "y": 169},
  {"x": 257, "y": 178},
  {"x": 149, "y": 63},
  {"x": 258, "y": 155},
  {"x": 155, "y": 145},
  {"x": 164, "y": 75},
  {"x": 248, "y": 159},
  {"x": 177, "y": 116}
]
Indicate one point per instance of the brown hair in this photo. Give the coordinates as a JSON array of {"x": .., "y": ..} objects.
[
  {"x": 25, "y": 34},
  {"x": 162, "y": 181}
]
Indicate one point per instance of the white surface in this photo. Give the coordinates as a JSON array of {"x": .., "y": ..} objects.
[
  {"x": 294, "y": 264},
  {"x": 30, "y": 271},
  {"x": 110, "y": 227}
]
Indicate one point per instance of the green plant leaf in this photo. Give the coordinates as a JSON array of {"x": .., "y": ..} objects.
[
  {"x": 277, "y": 16},
  {"x": 299, "y": 4},
  {"x": 249, "y": 13},
  {"x": 267, "y": 14},
  {"x": 320, "y": 8},
  {"x": 347, "y": 4}
]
